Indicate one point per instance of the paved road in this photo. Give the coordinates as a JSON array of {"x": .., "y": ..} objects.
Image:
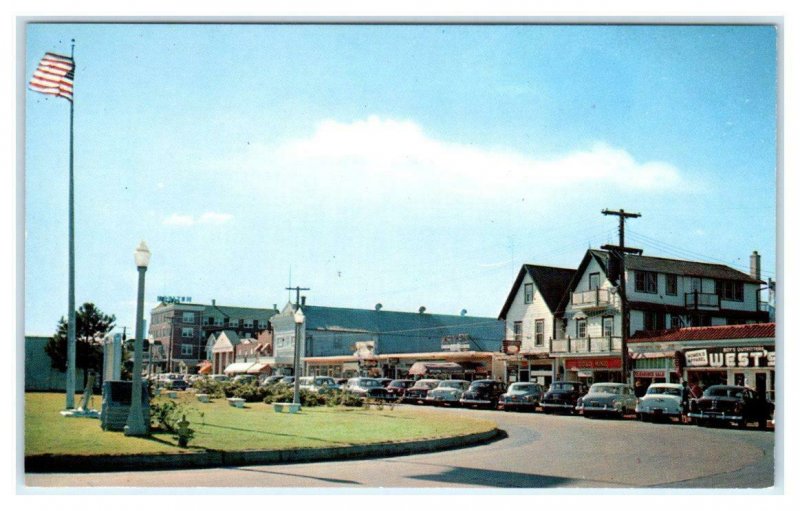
[{"x": 539, "y": 451}]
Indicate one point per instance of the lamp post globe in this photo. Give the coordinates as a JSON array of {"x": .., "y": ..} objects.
[
  {"x": 136, "y": 425},
  {"x": 299, "y": 319}
]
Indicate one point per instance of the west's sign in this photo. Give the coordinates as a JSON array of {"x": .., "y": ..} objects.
[
  {"x": 745, "y": 356},
  {"x": 174, "y": 299}
]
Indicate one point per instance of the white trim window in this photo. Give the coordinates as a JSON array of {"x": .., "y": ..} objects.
[
  {"x": 529, "y": 292},
  {"x": 539, "y": 332},
  {"x": 187, "y": 350},
  {"x": 187, "y": 332},
  {"x": 188, "y": 317},
  {"x": 233, "y": 322},
  {"x": 608, "y": 326},
  {"x": 580, "y": 328},
  {"x": 518, "y": 330},
  {"x": 248, "y": 323}
]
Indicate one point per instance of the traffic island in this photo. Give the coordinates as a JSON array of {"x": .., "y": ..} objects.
[{"x": 221, "y": 431}]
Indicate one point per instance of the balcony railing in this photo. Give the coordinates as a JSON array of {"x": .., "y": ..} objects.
[
  {"x": 587, "y": 345},
  {"x": 698, "y": 300},
  {"x": 591, "y": 298}
]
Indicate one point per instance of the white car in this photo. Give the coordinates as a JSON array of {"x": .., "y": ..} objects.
[
  {"x": 447, "y": 392},
  {"x": 662, "y": 400},
  {"x": 318, "y": 383}
]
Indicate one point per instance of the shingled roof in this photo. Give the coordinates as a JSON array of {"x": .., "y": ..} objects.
[
  {"x": 688, "y": 268},
  {"x": 708, "y": 333},
  {"x": 552, "y": 283}
]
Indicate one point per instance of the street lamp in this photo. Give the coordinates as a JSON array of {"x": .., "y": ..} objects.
[
  {"x": 299, "y": 318},
  {"x": 136, "y": 425}
]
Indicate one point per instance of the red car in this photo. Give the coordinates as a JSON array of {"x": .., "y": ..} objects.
[{"x": 397, "y": 388}]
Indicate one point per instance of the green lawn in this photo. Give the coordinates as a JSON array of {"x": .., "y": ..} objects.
[{"x": 219, "y": 426}]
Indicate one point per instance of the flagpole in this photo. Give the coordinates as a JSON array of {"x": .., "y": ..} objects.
[{"x": 71, "y": 311}]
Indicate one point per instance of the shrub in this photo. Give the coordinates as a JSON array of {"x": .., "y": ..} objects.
[
  {"x": 250, "y": 392},
  {"x": 208, "y": 386},
  {"x": 165, "y": 415},
  {"x": 341, "y": 398}
]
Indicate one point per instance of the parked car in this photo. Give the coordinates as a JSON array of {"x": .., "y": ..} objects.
[
  {"x": 730, "y": 404},
  {"x": 448, "y": 392},
  {"x": 661, "y": 401},
  {"x": 175, "y": 383},
  {"x": 397, "y": 388},
  {"x": 521, "y": 396},
  {"x": 385, "y": 382},
  {"x": 607, "y": 399},
  {"x": 319, "y": 384},
  {"x": 419, "y": 391},
  {"x": 287, "y": 380},
  {"x": 219, "y": 377},
  {"x": 562, "y": 396},
  {"x": 271, "y": 380},
  {"x": 245, "y": 379},
  {"x": 366, "y": 387},
  {"x": 483, "y": 393}
]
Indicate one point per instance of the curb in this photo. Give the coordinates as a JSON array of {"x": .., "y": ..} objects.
[{"x": 212, "y": 459}]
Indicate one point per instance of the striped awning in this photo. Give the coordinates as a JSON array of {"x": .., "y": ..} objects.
[
  {"x": 261, "y": 367},
  {"x": 238, "y": 368}
]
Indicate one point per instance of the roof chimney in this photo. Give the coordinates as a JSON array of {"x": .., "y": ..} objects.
[
  {"x": 463, "y": 312},
  {"x": 378, "y": 306},
  {"x": 422, "y": 310},
  {"x": 274, "y": 306},
  {"x": 213, "y": 302},
  {"x": 755, "y": 265},
  {"x": 302, "y": 301}
]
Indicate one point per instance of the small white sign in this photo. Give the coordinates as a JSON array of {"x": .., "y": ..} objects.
[{"x": 696, "y": 358}]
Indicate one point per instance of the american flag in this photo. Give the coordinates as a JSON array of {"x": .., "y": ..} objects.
[{"x": 54, "y": 76}]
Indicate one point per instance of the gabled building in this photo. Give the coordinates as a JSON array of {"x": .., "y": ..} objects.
[
  {"x": 184, "y": 328},
  {"x": 531, "y": 322},
  {"x": 340, "y": 341},
  {"x": 661, "y": 294}
]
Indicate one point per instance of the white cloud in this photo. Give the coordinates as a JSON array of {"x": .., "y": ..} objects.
[
  {"x": 401, "y": 151},
  {"x": 179, "y": 220},
  {"x": 207, "y": 218}
]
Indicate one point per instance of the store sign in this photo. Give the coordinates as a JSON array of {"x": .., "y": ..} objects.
[
  {"x": 744, "y": 356},
  {"x": 174, "y": 299},
  {"x": 593, "y": 363},
  {"x": 458, "y": 342},
  {"x": 649, "y": 373}
]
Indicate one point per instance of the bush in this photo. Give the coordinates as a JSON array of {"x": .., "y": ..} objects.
[
  {"x": 165, "y": 415},
  {"x": 208, "y": 386},
  {"x": 341, "y": 398},
  {"x": 250, "y": 392}
]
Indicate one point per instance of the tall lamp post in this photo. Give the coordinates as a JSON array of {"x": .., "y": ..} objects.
[
  {"x": 136, "y": 425},
  {"x": 299, "y": 318}
]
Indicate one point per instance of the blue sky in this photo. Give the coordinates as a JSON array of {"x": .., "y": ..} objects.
[{"x": 407, "y": 165}]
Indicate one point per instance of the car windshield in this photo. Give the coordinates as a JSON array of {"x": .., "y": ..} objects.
[
  {"x": 723, "y": 392},
  {"x": 563, "y": 387},
  {"x": 400, "y": 383},
  {"x": 670, "y": 391},
  {"x": 451, "y": 384},
  {"x": 324, "y": 381},
  {"x": 482, "y": 384},
  {"x": 606, "y": 389},
  {"x": 369, "y": 383},
  {"x": 426, "y": 384},
  {"x": 306, "y": 381},
  {"x": 523, "y": 387}
]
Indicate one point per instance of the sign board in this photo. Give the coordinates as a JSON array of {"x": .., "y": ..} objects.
[
  {"x": 174, "y": 299},
  {"x": 650, "y": 373},
  {"x": 732, "y": 356},
  {"x": 458, "y": 342},
  {"x": 602, "y": 363}
]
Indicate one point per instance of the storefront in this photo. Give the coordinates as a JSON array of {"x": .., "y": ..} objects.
[
  {"x": 730, "y": 355},
  {"x": 472, "y": 365},
  {"x": 593, "y": 369},
  {"x": 749, "y": 366}
]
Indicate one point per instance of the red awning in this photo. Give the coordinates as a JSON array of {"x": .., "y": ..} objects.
[{"x": 423, "y": 368}]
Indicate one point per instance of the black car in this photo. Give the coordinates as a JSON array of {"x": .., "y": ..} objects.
[
  {"x": 483, "y": 393},
  {"x": 562, "y": 396},
  {"x": 722, "y": 404}
]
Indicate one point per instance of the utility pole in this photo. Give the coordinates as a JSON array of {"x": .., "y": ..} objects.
[
  {"x": 619, "y": 251},
  {"x": 298, "y": 289}
]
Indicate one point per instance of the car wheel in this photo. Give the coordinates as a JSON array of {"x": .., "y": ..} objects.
[
  {"x": 762, "y": 423},
  {"x": 742, "y": 424}
]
